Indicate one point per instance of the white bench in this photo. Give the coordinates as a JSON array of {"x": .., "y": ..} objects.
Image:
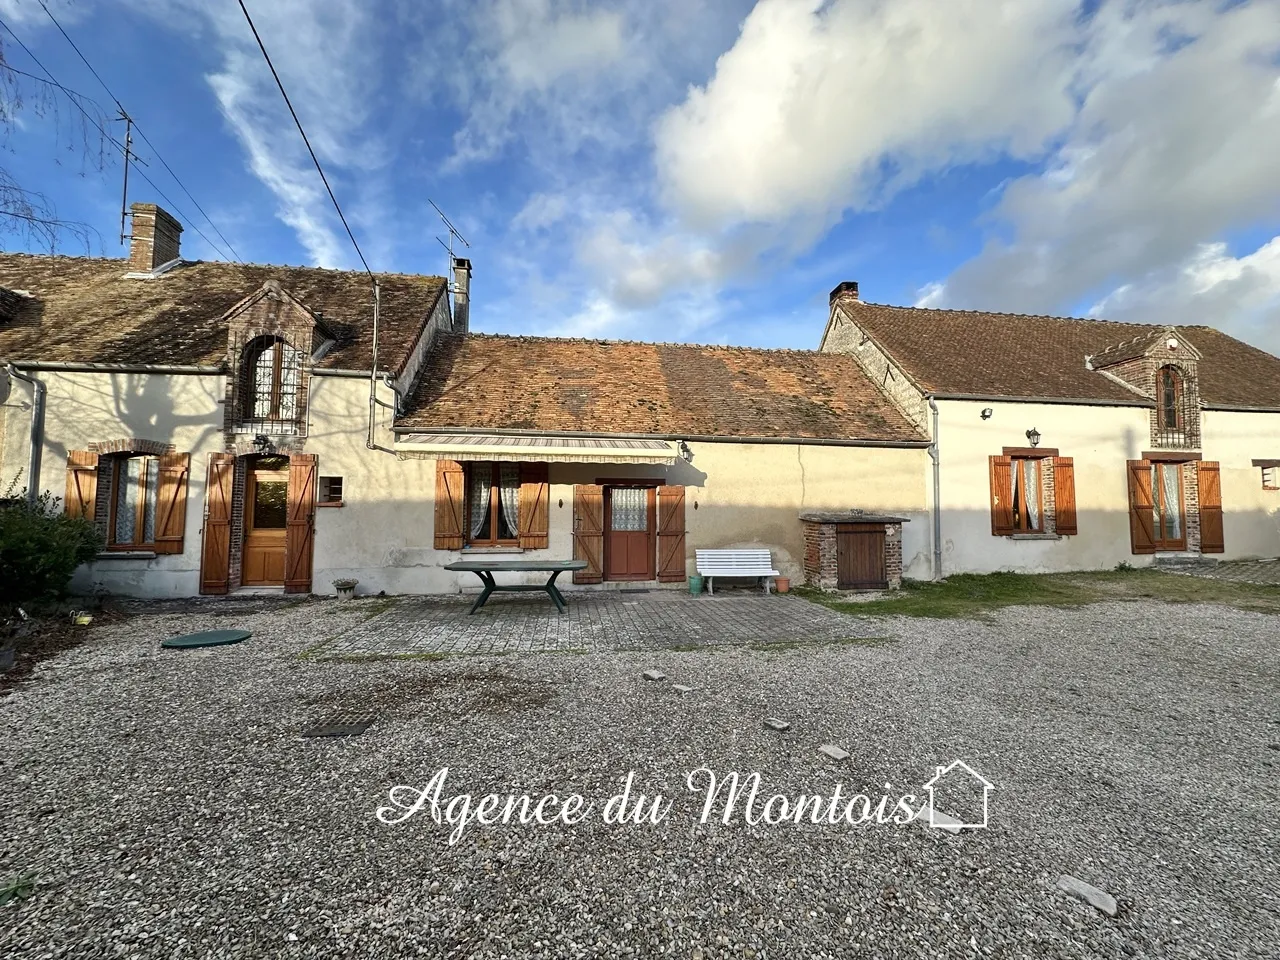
[{"x": 735, "y": 563}]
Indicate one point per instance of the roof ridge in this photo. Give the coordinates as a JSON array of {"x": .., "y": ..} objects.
[
  {"x": 996, "y": 313},
  {"x": 643, "y": 343},
  {"x": 124, "y": 264}
]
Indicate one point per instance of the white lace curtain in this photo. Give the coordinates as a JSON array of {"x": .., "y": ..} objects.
[
  {"x": 481, "y": 488},
  {"x": 481, "y": 494},
  {"x": 509, "y": 494}
]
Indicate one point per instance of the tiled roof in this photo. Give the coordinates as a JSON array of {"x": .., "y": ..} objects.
[
  {"x": 1010, "y": 355},
  {"x": 605, "y": 386},
  {"x": 84, "y": 311}
]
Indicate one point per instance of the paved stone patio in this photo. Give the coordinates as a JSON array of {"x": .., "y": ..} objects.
[
  {"x": 661, "y": 620},
  {"x": 1266, "y": 572}
]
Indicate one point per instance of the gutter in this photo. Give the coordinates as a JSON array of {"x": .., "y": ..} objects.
[
  {"x": 934, "y": 455},
  {"x": 176, "y": 369},
  {"x": 803, "y": 441},
  {"x": 1075, "y": 401},
  {"x": 37, "y": 432}
]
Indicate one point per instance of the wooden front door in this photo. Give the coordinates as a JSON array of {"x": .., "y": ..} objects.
[
  {"x": 860, "y": 556},
  {"x": 629, "y": 549},
  {"x": 266, "y": 516}
]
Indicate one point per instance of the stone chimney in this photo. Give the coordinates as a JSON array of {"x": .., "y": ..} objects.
[
  {"x": 461, "y": 295},
  {"x": 154, "y": 239},
  {"x": 845, "y": 290}
]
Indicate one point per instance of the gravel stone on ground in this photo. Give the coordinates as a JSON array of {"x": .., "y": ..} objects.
[{"x": 171, "y": 807}]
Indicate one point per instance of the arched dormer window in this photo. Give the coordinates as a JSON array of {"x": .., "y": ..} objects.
[
  {"x": 1169, "y": 390},
  {"x": 271, "y": 373}
]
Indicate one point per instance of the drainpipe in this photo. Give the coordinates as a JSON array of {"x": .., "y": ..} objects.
[
  {"x": 937, "y": 494},
  {"x": 373, "y": 370},
  {"x": 390, "y": 381},
  {"x": 37, "y": 431}
]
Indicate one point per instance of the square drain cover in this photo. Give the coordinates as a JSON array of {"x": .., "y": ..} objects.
[
  {"x": 634, "y": 591},
  {"x": 341, "y": 725}
]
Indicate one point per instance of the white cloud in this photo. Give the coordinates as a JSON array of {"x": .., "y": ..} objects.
[{"x": 1241, "y": 294}]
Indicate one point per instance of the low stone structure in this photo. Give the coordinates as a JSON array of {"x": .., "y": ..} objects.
[{"x": 823, "y": 533}]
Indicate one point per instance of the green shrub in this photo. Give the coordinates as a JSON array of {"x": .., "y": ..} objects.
[{"x": 40, "y": 548}]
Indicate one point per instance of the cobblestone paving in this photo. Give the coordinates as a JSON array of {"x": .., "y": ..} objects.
[
  {"x": 663, "y": 620},
  {"x": 1240, "y": 571}
]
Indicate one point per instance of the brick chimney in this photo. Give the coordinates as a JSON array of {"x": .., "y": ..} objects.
[
  {"x": 845, "y": 290},
  {"x": 461, "y": 295},
  {"x": 154, "y": 239}
]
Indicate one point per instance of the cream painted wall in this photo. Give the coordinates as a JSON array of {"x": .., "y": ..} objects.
[
  {"x": 1251, "y": 515},
  {"x": 82, "y": 408},
  {"x": 1098, "y": 439}
]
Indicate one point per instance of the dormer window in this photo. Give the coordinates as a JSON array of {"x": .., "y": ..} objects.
[
  {"x": 1169, "y": 392},
  {"x": 271, "y": 374}
]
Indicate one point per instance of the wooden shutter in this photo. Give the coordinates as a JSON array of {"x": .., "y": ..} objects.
[
  {"x": 1142, "y": 524},
  {"x": 451, "y": 501},
  {"x": 1209, "y": 477},
  {"x": 671, "y": 559},
  {"x": 299, "y": 534},
  {"x": 588, "y": 531},
  {"x": 1064, "y": 496},
  {"x": 171, "y": 502},
  {"x": 1001, "y": 496},
  {"x": 215, "y": 553},
  {"x": 535, "y": 494},
  {"x": 82, "y": 484}
]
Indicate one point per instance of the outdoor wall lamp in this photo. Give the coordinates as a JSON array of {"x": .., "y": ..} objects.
[
  {"x": 262, "y": 443},
  {"x": 685, "y": 453},
  {"x": 986, "y": 413},
  {"x": 1034, "y": 436}
]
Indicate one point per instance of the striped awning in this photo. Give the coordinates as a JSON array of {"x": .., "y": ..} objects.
[{"x": 538, "y": 449}]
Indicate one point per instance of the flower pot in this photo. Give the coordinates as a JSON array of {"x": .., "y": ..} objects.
[
  {"x": 346, "y": 588},
  {"x": 695, "y": 585},
  {"x": 782, "y": 584}
]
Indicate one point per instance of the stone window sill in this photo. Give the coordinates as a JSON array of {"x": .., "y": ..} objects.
[
  {"x": 126, "y": 555},
  {"x": 1034, "y": 536},
  {"x": 330, "y": 503},
  {"x": 492, "y": 550}
]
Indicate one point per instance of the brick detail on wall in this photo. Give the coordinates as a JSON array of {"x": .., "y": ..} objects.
[
  {"x": 821, "y": 564},
  {"x": 132, "y": 445},
  {"x": 1141, "y": 373},
  {"x": 236, "y": 535},
  {"x": 1191, "y": 504}
]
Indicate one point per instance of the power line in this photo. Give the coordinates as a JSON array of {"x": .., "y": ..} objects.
[
  {"x": 142, "y": 134},
  {"x": 107, "y": 135},
  {"x": 314, "y": 158}
]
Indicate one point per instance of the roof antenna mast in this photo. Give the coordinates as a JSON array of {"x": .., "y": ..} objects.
[{"x": 453, "y": 232}]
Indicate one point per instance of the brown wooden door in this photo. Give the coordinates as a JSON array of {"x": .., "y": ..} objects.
[
  {"x": 860, "y": 556},
  {"x": 629, "y": 551},
  {"x": 588, "y": 531},
  {"x": 266, "y": 514}
]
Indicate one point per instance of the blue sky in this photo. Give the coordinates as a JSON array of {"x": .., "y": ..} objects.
[{"x": 678, "y": 170}]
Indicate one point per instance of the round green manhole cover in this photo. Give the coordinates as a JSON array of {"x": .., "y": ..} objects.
[{"x": 207, "y": 638}]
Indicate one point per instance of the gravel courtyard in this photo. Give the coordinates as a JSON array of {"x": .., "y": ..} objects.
[{"x": 170, "y": 807}]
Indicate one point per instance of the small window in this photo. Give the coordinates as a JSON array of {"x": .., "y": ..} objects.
[
  {"x": 493, "y": 504},
  {"x": 272, "y": 374},
  {"x": 1271, "y": 478},
  {"x": 330, "y": 492},
  {"x": 1169, "y": 399},
  {"x": 135, "y": 483}
]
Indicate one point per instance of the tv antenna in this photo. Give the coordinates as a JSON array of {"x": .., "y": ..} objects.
[
  {"x": 127, "y": 147},
  {"x": 453, "y": 233}
]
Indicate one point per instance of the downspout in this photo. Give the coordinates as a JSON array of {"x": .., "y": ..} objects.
[
  {"x": 373, "y": 370},
  {"x": 937, "y": 494},
  {"x": 37, "y": 431},
  {"x": 390, "y": 381}
]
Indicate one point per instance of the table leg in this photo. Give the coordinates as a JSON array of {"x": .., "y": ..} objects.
[
  {"x": 554, "y": 592},
  {"x": 489, "y": 583}
]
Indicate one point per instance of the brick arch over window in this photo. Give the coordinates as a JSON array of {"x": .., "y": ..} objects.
[
  {"x": 134, "y": 445},
  {"x": 1171, "y": 392}
]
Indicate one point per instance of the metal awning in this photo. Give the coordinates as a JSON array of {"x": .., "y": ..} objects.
[{"x": 538, "y": 449}]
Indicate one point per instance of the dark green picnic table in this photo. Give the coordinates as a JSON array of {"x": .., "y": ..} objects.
[{"x": 485, "y": 569}]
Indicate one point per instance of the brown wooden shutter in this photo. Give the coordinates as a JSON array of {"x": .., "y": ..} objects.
[
  {"x": 535, "y": 494},
  {"x": 451, "y": 501},
  {"x": 1064, "y": 496},
  {"x": 215, "y": 553},
  {"x": 1142, "y": 524},
  {"x": 1001, "y": 496},
  {"x": 671, "y": 559},
  {"x": 588, "y": 531},
  {"x": 1209, "y": 477},
  {"x": 82, "y": 484},
  {"x": 299, "y": 534},
  {"x": 171, "y": 502}
]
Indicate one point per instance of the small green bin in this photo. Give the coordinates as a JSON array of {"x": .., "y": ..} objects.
[{"x": 695, "y": 585}]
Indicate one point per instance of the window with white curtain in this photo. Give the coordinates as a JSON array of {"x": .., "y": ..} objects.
[{"x": 493, "y": 503}]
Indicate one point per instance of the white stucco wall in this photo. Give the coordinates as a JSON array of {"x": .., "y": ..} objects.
[
  {"x": 1100, "y": 440},
  {"x": 1251, "y": 515}
]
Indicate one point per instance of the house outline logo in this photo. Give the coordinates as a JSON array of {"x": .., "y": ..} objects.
[{"x": 935, "y": 782}]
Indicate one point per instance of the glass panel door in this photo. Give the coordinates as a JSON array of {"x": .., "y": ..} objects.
[{"x": 1166, "y": 500}]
